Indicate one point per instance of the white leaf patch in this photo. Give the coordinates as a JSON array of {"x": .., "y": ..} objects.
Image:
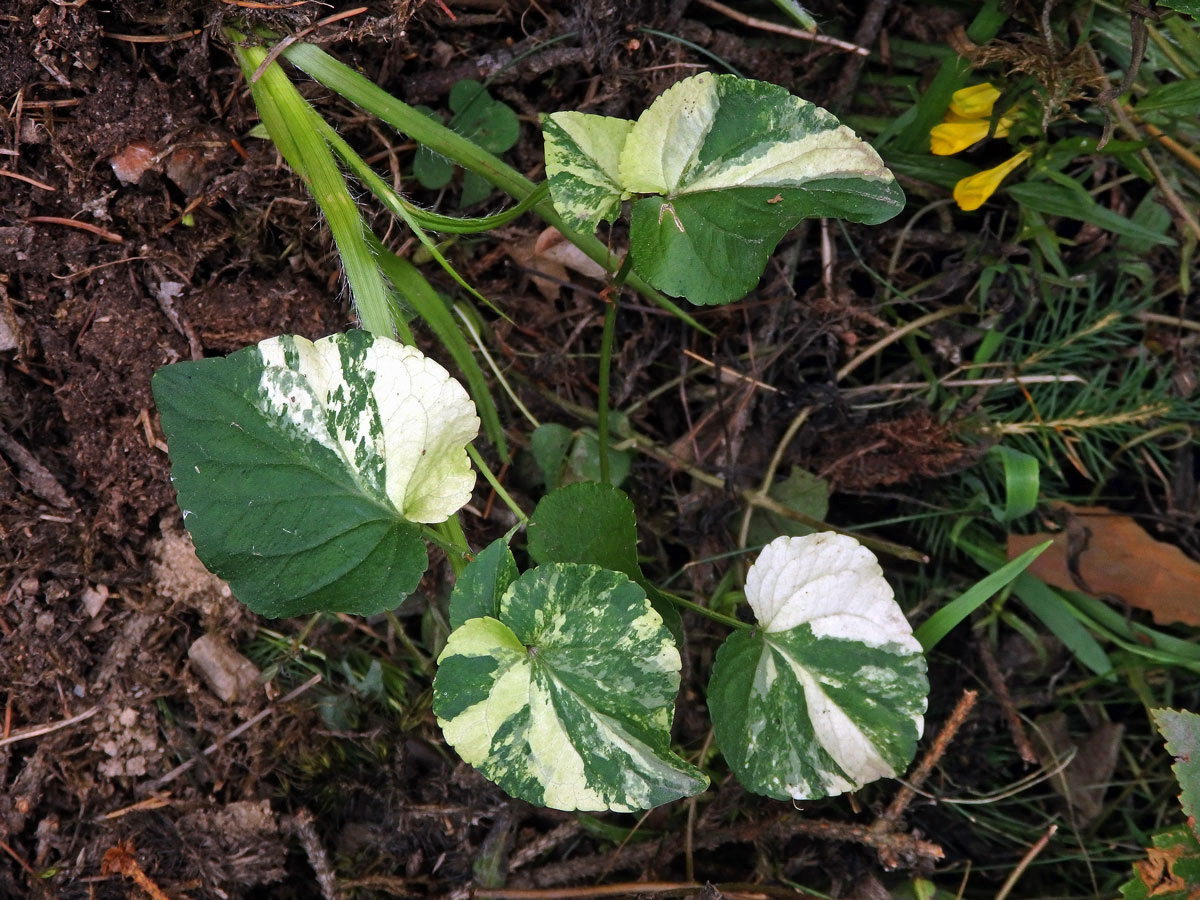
[
  {"x": 833, "y": 583},
  {"x": 780, "y": 142},
  {"x": 397, "y": 419}
]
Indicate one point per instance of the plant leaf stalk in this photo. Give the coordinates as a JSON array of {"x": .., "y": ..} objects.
[{"x": 613, "y": 296}]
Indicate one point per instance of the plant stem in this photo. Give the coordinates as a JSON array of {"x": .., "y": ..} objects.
[
  {"x": 613, "y": 296},
  {"x": 424, "y": 662},
  {"x": 504, "y": 496},
  {"x": 706, "y": 612},
  {"x": 459, "y": 552}
]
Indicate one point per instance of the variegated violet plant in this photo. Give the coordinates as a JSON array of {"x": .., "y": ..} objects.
[
  {"x": 311, "y": 475},
  {"x": 728, "y": 166}
]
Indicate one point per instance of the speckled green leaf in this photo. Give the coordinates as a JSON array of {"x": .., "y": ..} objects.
[
  {"x": 736, "y": 164},
  {"x": 566, "y": 699},
  {"x": 594, "y": 523},
  {"x": 478, "y": 590},
  {"x": 302, "y": 467},
  {"x": 829, "y": 692},
  {"x": 582, "y": 163},
  {"x": 1181, "y": 730}
]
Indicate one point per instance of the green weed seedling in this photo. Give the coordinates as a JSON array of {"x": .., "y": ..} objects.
[
  {"x": 479, "y": 118},
  {"x": 311, "y": 475}
]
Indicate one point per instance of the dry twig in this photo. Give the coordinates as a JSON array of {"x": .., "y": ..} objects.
[{"x": 787, "y": 30}]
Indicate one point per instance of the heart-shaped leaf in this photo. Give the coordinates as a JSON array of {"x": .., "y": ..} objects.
[
  {"x": 302, "y": 467},
  {"x": 829, "y": 692},
  {"x": 566, "y": 699},
  {"x": 737, "y": 164}
]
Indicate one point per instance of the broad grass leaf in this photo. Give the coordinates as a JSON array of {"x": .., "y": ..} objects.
[
  {"x": 1191, "y": 7},
  {"x": 1059, "y": 200},
  {"x": 1115, "y": 558},
  {"x": 829, "y": 693},
  {"x": 1181, "y": 98},
  {"x": 566, "y": 698},
  {"x": 301, "y": 468}
]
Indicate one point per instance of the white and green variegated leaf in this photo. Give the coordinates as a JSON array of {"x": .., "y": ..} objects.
[
  {"x": 566, "y": 699},
  {"x": 736, "y": 164},
  {"x": 302, "y": 467},
  {"x": 829, "y": 692},
  {"x": 583, "y": 154}
]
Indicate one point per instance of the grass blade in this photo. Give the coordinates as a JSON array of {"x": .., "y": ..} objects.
[
  {"x": 1040, "y": 599},
  {"x": 291, "y": 123},
  {"x": 942, "y": 622},
  {"x": 383, "y": 191},
  {"x": 1021, "y": 482}
]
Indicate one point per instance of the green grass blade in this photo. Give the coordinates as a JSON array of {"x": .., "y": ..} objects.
[
  {"x": 1075, "y": 203},
  {"x": 942, "y": 622},
  {"x": 797, "y": 14},
  {"x": 1040, "y": 599},
  {"x": 477, "y": 224},
  {"x": 1057, "y": 615},
  {"x": 383, "y": 191},
  {"x": 408, "y": 279},
  {"x": 1021, "y": 482},
  {"x": 291, "y": 123},
  {"x": 370, "y": 97}
]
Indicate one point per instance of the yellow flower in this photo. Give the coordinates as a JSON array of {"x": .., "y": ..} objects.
[
  {"x": 973, "y": 191},
  {"x": 952, "y": 136},
  {"x": 974, "y": 102}
]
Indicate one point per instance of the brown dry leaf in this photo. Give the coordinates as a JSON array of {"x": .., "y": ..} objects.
[
  {"x": 553, "y": 255},
  {"x": 1085, "y": 780},
  {"x": 1110, "y": 556},
  {"x": 119, "y": 860}
]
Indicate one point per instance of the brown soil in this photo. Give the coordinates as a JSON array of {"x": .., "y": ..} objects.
[{"x": 210, "y": 244}]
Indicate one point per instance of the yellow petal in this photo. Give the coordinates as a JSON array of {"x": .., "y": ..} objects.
[
  {"x": 951, "y": 137},
  {"x": 974, "y": 102},
  {"x": 973, "y": 191}
]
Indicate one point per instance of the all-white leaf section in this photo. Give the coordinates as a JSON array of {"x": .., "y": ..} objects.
[{"x": 830, "y": 582}]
